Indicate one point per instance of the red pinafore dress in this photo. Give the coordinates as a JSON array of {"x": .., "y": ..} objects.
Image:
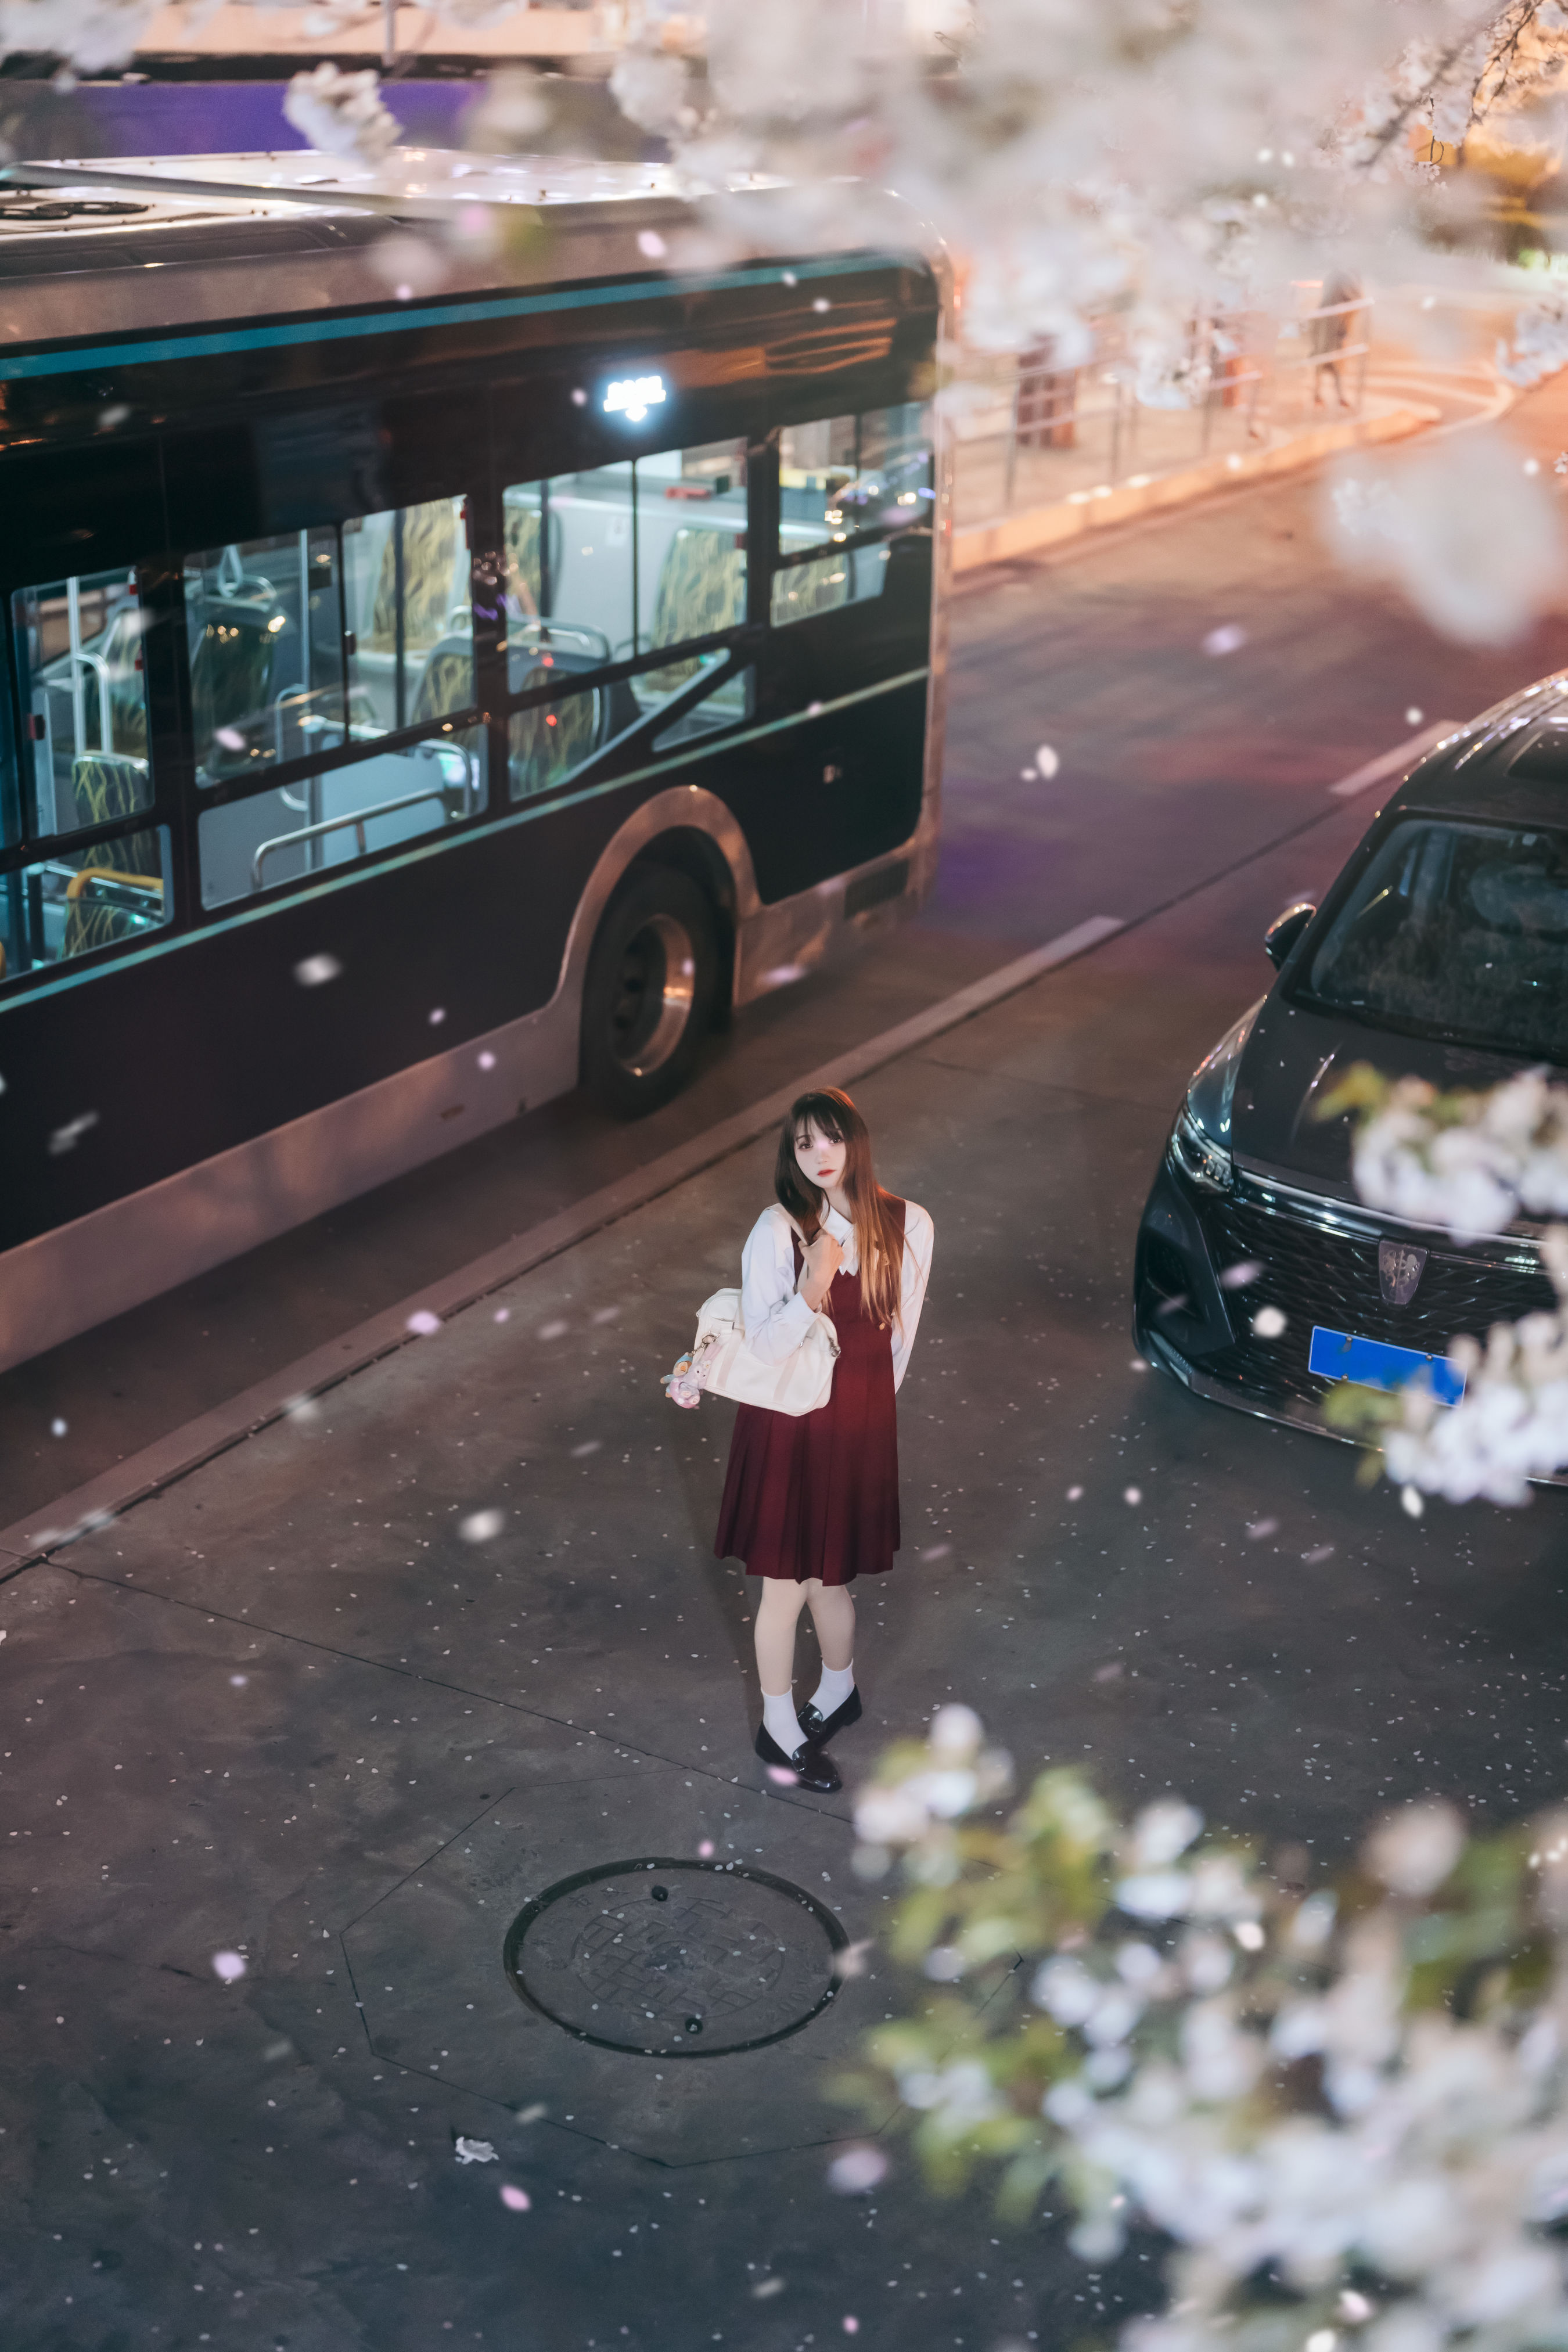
[{"x": 816, "y": 1494}]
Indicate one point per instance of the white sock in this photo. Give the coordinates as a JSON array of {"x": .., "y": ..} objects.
[
  {"x": 834, "y": 1687},
  {"x": 781, "y": 1722}
]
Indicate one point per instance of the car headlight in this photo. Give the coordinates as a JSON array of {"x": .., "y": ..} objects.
[
  {"x": 1200, "y": 1158},
  {"x": 1200, "y": 1140}
]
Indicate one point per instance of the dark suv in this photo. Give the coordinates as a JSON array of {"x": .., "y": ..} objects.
[{"x": 1441, "y": 952}]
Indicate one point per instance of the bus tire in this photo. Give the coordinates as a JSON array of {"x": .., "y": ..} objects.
[{"x": 648, "y": 997}]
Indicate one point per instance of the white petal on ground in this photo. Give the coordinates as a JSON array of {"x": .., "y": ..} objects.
[{"x": 482, "y": 1526}]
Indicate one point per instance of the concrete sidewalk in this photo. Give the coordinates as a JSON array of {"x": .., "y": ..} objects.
[
  {"x": 266, "y": 1712},
  {"x": 1064, "y": 515}
]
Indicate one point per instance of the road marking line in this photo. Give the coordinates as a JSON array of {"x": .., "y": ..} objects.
[
  {"x": 171, "y": 1458},
  {"x": 1387, "y": 763}
]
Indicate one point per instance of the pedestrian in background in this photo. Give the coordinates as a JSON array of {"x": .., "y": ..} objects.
[
  {"x": 1329, "y": 332},
  {"x": 811, "y": 1501}
]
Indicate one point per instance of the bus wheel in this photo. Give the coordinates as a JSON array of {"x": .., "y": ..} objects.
[{"x": 648, "y": 997}]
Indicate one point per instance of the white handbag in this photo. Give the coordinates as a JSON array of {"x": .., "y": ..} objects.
[{"x": 723, "y": 1364}]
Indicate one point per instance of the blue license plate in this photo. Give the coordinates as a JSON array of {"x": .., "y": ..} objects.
[{"x": 1374, "y": 1364}]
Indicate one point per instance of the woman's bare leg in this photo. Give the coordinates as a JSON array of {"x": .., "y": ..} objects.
[
  {"x": 832, "y": 1609},
  {"x": 778, "y": 1609}
]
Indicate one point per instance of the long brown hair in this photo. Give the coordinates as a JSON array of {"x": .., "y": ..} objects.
[{"x": 878, "y": 1237}]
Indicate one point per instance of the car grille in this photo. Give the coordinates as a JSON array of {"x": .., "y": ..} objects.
[{"x": 1317, "y": 1274}]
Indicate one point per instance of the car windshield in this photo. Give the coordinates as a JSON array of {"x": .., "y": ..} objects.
[{"x": 1459, "y": 931}]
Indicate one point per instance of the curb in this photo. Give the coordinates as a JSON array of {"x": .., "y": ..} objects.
[{"x": 1071, "y": 519}]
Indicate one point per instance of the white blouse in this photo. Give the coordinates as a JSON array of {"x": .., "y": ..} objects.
[{"x": 777, "y": 1319}]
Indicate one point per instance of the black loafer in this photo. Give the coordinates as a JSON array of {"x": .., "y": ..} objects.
[
  {"x": 811, "y": 1767},
  {"x": 818, "y": 1731}
]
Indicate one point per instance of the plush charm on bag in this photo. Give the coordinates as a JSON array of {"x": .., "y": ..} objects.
[{"x": 722, "y": 1361}]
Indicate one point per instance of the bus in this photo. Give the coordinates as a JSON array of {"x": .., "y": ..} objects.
[{"x": 416, "y": 701}]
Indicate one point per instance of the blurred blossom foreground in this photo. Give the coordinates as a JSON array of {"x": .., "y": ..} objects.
[
  {"x": 1345, "y": 2109},
  {"x": 1470, "y": 1164}
]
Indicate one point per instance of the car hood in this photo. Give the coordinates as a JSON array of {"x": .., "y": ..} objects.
[{"x": 1294, "y": 1057}]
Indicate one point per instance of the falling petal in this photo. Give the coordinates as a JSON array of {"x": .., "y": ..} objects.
[
  {"x": 482, "y": 1526},
  {"x": 856, "y": 2170},
  {"x": 1226, "y": 640},
  {"x": 229, "y": 1966},
  {"x": 423, "y": 1322},
  {"x": 313, "y": 971},
  {"x": 516, "y": 2201}
]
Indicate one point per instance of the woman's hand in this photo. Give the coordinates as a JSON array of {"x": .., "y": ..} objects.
[{"x": 822, "y": 1263}]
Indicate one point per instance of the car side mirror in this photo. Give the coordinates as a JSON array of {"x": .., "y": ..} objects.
[{"x": 1285, "y": 930}]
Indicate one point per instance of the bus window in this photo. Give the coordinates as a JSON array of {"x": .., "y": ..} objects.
[
  {"x": 691, "y": 555},
  {"x": 387, "y": 648},
  {"x": 547, "y": 742},
  {"x": 609, "y": 566},
  {"x": 84, "y": 702},
  {"x": 569, "y": 562},
  {"x": 853, "y": 482},
  {"x": 411, "y": 629},
  {"x": 96, "y": 897},
  {"x": 264, "y": 632}
]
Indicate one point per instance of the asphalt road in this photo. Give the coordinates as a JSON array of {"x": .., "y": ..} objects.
[{"x": 283, "y": 1708}]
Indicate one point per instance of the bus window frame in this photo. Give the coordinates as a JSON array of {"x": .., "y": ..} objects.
[{"x": 164, "y": 812}]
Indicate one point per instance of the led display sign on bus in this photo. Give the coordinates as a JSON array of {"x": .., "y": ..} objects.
[{"x": 632, "y": 398}]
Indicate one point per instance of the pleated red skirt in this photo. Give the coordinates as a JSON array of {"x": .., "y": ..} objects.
[{"x": 816, "y": 1494}]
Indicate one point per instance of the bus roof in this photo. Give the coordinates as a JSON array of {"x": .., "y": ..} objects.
[
  {"x": 138, "y": 245},
  {"x": 409, "y": 183}
]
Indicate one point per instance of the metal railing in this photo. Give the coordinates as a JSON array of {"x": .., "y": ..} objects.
[
  {"x": 359, "y": 819},
  {"x": 1052, "y": 434}
]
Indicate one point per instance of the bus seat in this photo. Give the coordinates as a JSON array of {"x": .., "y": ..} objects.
[
  {"x": 231, "y": 678},
  {"x": 105, "y": 785},
  {"x": 109, "y": 785},
  {"x": 815, "y": 587},
  {"x": 121, "y": 651},
  {"x": 448, "y": 680},
  {"x": 523, "y": 552},
  {"x": 549, "y": 742},
  {"x": 429, "y": 550},
  {"x": 701, "y": 586}
]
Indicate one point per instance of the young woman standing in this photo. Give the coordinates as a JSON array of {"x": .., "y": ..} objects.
[{"x": 811, "y": 1501}]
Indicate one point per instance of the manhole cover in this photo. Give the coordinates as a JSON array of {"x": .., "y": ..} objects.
[{"x": 676, "y": 1959}]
